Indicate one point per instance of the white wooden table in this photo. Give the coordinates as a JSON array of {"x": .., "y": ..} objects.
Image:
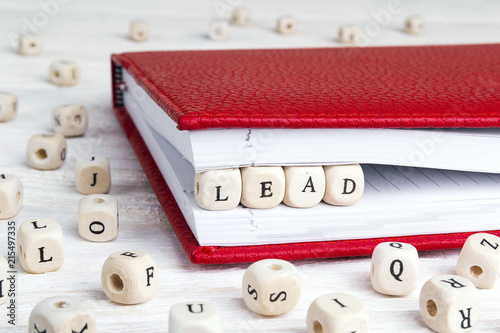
[{"x": 88, "y": 32}]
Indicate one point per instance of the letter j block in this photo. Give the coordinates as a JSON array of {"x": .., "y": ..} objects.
[
  {"x": 218, "y": 189},
  {"x": 93, "y": 175}
]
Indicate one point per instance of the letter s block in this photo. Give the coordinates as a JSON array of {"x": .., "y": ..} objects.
[
  {"x": 345, "y": 184},
  {"x": 194, "y": 317},
  {"x": 93, "y": 175},
  {"x": 218, "y": 189},
  {"x": 40, "y": 246}
]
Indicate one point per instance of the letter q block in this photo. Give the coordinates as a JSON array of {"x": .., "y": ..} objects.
[
  {"x": 218, "y": 189},
  {"x": 11, "y": 196},
  {"x": 8, "y": 106},
  {"x": 70, "y": 120},
  {"x": 345, "y": 184},
  {"x": 194, "y": 317},
  {"x": 262, "y": 187},
  {"x": 46, "y": 151},
  {"x": 64, "y": 73},
  {"x": 93, "y": 175},
  {"x": 98, "y": 217}
]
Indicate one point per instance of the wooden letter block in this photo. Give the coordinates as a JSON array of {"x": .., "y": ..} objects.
[
  {"x": 414, "y": 25},
  {"x": 271, "y": 287},
  {"x": 129, "y": 277},
  {"x": 93, "y": 175},
  {"x": 61, "y": 314},
  {"x": 479, "y": 260},
  {"x": 4, "y": 267},
  {"x": 304, "y": 186},
  {"x": 449, "y": 303},
  {"x": 287, "y": 25},
  {"x": 139, "y": 31},
  {"x": 11, "y": 196},
  {"x": 344, "y": 184},
  {"x": 8, "y": 106},
  {"x": 394, "y": 268},
  {"x": 263, "y": 187},
  {"x": 349, "y": 34},
  {"x": 219, "y": 31},
  {"x": 70, "y": 120},
  {"x": 98, "y": 217},
  {"x": 30, "y": 45},
  {"x": 194, "y": 317},
  {"x": 46, "y": 151},
  {"x": 337, "y": 313},
  {"x": 218, "y": 189},
  {"x": 40, "y": 246},
  {"x": 241, "y": 17},
  {"x": 64, "y": 73}
]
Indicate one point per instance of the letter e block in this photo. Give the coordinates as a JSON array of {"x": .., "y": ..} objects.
[
  {"x": 98, "y": 217},
  {"x": 304, "y": 186},
  {"x": 194, "y": 317},
  {"x": 218, "y": 189},
  {"x": 263, "y": 187},
  {"x": 344, "y": 184},
  {"x": 93, "y": 175}
]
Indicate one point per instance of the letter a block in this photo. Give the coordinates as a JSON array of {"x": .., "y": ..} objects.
[
  {"x": 129, "y": 277},
  {"x": 194, "y": 317},
  {"x": 449, "y": 303},
  {"x": 344, "y": 184},
  {"x": 40, "y": 246},
  {"x": 218, "y": 189},
  {"x": 304, "y": 186},
  {"x": 4, "y": 267},
  {"x": 93, "y": 175},
  {"x": 263, "y": 187}
]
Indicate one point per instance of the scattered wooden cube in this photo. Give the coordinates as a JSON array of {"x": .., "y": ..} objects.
[
  {"x": 46, "y": 151},
  {"x": 219, "y": 31},
  {"x": 64, "y": 73},
  {"x": 345, "y": 184},
  {"x": 8, "y": 106},
  {"x": 479, "y": 260},
  {"x": 98, "y": 217},
  {"x": 4, "y": 267},
  {"x": 349, "y": 34},
  {"x": 11, "y": 196},
  {"x": 93, "y": 175},
  {"x": 394, "y": 268},
  {"x": 271, "y": 287},
  {"x": 304, "y": 186},
  {"x": 449, "y": 303},
  {"x": 218, "y": 189},
  {"x": 40, "y": 246},
  {"x": 262, "y": 187},
  {"x": 70, "y": 120},
  {"x": 62, "y": 314},
  {"x": 194, "y": 317},
  {"x": 332, "y": 313},
  {"x": 29, "y": 45},
  {"x": 414, "y": 25},
  {"x": 129, "y": 277},
  {"x": 241, "y": 16},
  {"x": 287, "y": 25},
  {"x": 139, "y": 31}
]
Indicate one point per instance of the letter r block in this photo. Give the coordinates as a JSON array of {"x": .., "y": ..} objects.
[
  {"x": 218, "y": 189},
  {"x": 345, "y": 184}
]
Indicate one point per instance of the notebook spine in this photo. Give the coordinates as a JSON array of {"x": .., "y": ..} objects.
[{"x": 118, "y": 84}]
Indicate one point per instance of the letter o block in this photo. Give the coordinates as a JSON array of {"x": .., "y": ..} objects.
[
  {"x": 271, "y": 287},
  {"x": 11, "y": 196},
  {"x": 93, "y": 175},
  {"x": 8, "y": 106},
  {"x": 46, "y": 151},
  {"x": 218, "y": 189},
  {"x": 345, "y": 184},
  {"x": 194, "y": 317},
  {"x": 4, "y": 267},
  {"x": 262, "y": 187},
  {"x": 479, "y": 260},
  {"x": 129, "y": 277},
  {"x": 449, "y": 303},
  {"x": 61, "y": 314},
  {"x": 70, "y": 120},
  {"x": 40, "y": 246},
  {"x": 64, "y": 73},
  {"x": 335, "y": 313},
  {"x": 304, "y": 186},
  {"x": 98, "y": 217}
]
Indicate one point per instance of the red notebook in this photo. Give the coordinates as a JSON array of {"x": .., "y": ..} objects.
[{"x": 430, "y": 86}]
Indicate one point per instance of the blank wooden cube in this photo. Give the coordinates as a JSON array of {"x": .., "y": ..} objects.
[
  {"x": 64, "y": 73},
  {"x": 304, "y": 186},
  {"x": 337, "y": 313},
  {"x": 4, "y": 267},
  {"x": 449, "y": 303},
  {"x": 30, "y": 45},
  {"x": 262, "y": 187},
  {"x": 241, "y": 16},
  {"x": 8, "y": 106},
  {"x": 344, "y": 184},
  {"x": 139, "y": 31},
  {"x": 394, "y": 268},
  {"x": 218, "y": 189},
  {"x": 98, "y": 217},
  {"x": 219, "y": 31},
  {"x": 271, "y": 287},
  {"x": 349, "y": 34},
  {"x": 129, "y": 277},
  {"x": 93, "y": 175},
  {"x": 70, "y": 120},
  {"x": 287, "y": 25},
  {"x": 479, "y": 260},
  {"x": 62, "y": 314},
  {"x": 46, "y": 151},
  {"x": 11, "y": 196},
  {"x": 414, "y": 25},
  {"x": 194, "y": 317},
  {"x": 40, "y": 246}
]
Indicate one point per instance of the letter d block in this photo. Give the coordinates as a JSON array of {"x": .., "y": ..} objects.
[
  {"x": 93, "y": 175},
  {"x": 129, "y": 277},
  {"x": 98, "y": 217},
  {"x": 194, "y": 317},
  {"x": 40, "y": 246},
  {"x": 4, "y": 267},
  {"x": 218, "y": 189},
  {"x": 344, "y": 184},
  {"x": 263, "y": 187},
  {"x": 449, "y": 303}
]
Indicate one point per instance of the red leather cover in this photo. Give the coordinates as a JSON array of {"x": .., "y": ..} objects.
[{"x": 418, "y": 86}]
